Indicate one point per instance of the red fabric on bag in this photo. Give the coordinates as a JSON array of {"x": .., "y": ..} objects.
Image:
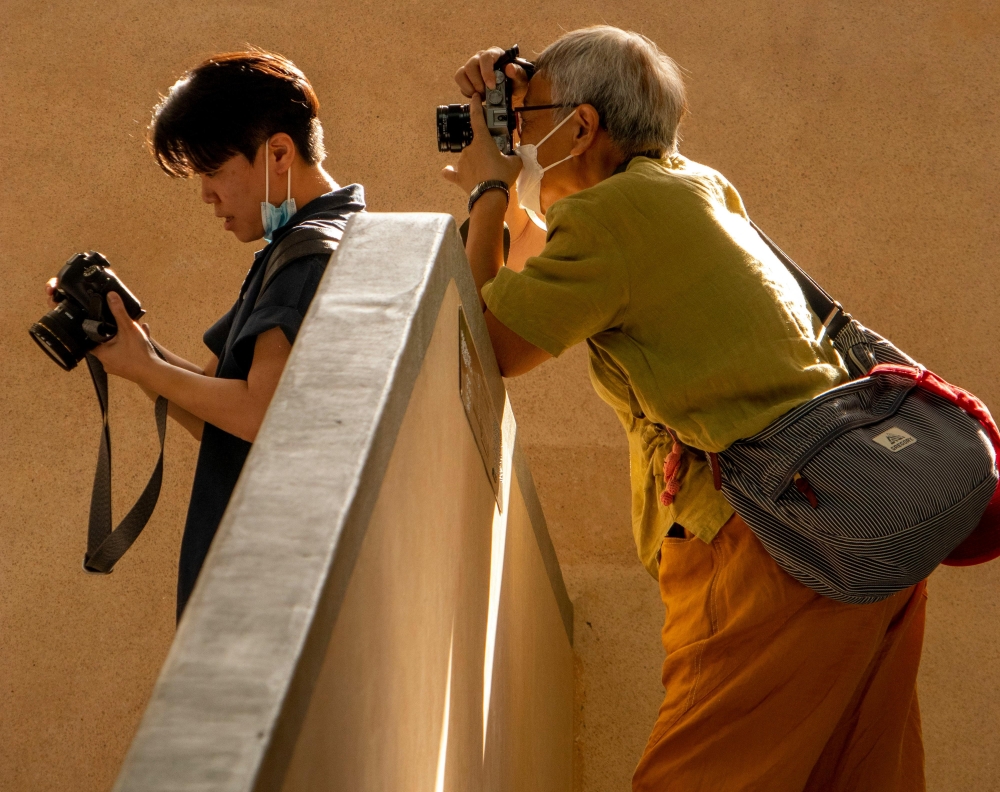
[{"x": 983, "y": 544}]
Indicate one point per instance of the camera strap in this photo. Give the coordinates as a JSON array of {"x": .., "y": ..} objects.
[{"x": 104, "y": 545}]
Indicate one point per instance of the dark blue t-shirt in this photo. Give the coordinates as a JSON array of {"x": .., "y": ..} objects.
[{"x": 283, "y": 304}]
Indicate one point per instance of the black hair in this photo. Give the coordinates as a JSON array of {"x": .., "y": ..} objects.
[{"x": 231, "y": 104}]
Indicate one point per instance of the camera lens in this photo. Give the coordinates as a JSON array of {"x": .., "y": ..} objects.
[
  {"x": 58, "y": 333},
  {"x": 454, "y": 127}
]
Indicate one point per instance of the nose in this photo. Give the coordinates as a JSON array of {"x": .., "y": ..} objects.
[{"x": 207, "y": 193}]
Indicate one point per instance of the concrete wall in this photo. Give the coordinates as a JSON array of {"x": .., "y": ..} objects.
[
  {"x": 368, "y": 616},
  {"x": 863, "y": 137},
  {"x": 408, "y": 683}
]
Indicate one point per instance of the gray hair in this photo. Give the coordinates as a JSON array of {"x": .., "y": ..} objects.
[{"x": 636, "y": 89}]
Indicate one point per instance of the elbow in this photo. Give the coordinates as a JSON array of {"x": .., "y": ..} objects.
[
  {"x": 250, "y": 431},
  {"x": 248, "y": 428},
  {"x": 510, "y": 369}
]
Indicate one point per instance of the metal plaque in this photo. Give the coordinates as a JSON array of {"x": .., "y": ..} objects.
[{"x": 479, "y": 407}]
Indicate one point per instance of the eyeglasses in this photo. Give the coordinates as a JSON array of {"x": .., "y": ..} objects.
[{"x": 525, "y": 108}]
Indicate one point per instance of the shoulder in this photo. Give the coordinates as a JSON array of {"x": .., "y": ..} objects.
[
  {"x": 305, "y": 246},
  {"x": 650, "y": 187}
]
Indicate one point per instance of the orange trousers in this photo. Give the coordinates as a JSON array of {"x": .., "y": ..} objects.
[{"x": 771, "y": 686}]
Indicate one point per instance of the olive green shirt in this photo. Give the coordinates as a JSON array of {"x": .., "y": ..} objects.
[{"x": 691, "y": 321}]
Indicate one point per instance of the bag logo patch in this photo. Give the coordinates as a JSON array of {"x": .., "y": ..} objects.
[{"x": 895, "y": 439}]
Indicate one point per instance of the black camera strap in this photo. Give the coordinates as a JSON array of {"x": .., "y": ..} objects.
[{"x": 104, "y": 545}]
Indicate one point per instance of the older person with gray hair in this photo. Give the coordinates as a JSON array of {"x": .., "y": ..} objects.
[{"x": 698, "y": 337}]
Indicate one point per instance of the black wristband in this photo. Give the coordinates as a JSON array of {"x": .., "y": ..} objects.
[{"x": 486, "y": 186}]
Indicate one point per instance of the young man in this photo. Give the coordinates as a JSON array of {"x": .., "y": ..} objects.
[
  {"x": 245, "y": 123},
  {"x": 698, "y": 337}
]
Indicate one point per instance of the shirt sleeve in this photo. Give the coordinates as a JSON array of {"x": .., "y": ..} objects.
[
  {"x": 577, "y": 287},
  {"x": 283, "y": 304},
  {"x": 215, "y": 337}
]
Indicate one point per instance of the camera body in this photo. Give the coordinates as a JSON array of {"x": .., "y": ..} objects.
[
  {"x": 82, "y": 318},
  {"x": 454, "y": 123}
]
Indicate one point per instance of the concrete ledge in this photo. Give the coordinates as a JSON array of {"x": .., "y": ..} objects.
[{"x": 227, "y": 708}]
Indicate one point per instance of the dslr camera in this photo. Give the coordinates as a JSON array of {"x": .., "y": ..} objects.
[
  {"x": 454, "y": 125},
  {"x": 82, "y": 318}
]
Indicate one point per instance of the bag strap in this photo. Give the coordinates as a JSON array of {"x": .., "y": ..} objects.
[
  {"x": 830, "y": 312},
  {"x": 300, "y": 242},
  {"x": 106, "y": 546}
]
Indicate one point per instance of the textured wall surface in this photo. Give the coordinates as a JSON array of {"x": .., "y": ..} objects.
[{"x": 862, "y": 137}]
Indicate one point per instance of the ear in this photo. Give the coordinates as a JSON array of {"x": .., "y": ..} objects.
[
  {"x": 282, "y": 148},
  {"x": 587, "y": 128}
]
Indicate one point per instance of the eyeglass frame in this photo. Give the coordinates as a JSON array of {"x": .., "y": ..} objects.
[{"x": 523, "y": 108}]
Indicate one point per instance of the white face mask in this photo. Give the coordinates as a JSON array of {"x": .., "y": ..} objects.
[
  {"x": 529, "y": 180},
  {"x": 274, "y": 217}
]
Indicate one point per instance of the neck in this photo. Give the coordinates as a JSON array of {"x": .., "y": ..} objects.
[
  {"x": 310, "y": 182},
  {"x": 591, "y": 167},
  {"x": 599, "y": 161}
]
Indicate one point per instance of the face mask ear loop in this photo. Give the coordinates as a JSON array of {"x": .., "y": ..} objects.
[
  {"x": 289, "y": 196},
  {"x": 267, "y": 175},
  {"x": 553, "y": 130}
]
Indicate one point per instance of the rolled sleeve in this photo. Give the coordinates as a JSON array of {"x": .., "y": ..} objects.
[
  {"x": 283, "y": 304},
  {"x": 577, "y": 287},
  {"x": 215, "y": 337}
]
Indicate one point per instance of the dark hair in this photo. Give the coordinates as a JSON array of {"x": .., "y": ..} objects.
[{"x": 231, "y": 104}]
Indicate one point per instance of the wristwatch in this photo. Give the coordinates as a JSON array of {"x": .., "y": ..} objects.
[{"x": 486, "y": 186}]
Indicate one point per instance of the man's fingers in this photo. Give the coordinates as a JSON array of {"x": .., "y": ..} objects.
[
  {"x": 450, "y": 174},
  {"x": 473, "y": 74},
  {"x": 486, "y": 60},
  {"x": 477, "y": 73},
  {"x": 464, "y": 83}
]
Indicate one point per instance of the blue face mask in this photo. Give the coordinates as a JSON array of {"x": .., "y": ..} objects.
[{"x": 274, "y": 217}]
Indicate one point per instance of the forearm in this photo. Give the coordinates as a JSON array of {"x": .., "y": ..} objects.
[
  {"x": 484, "y": 245},
  {"x": 191, "y": 423},
  {"x": 226, "y": 403},
  {"x": 177, "y": 360}
]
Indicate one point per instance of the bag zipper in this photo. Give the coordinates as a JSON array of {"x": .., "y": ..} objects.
[{"x": 822, "y": 442}]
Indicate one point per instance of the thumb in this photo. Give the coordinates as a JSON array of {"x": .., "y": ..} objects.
[
  {"x": 450, "y": 174},
  {"x": 118, "y": 309},
  {"x": 476, "y": 117},
  {"x": 518, "y": 75}
]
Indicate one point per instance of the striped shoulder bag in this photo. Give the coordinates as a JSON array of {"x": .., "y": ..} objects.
[{"x": 865, "y": 489}]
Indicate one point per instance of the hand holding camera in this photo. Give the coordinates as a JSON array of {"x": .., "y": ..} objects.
[
  {"x": 478, "y": 75},
  {"x": 496, "y": 81},
  {"x": 93, "y": 316},
  {"x": 130, "y": 350},
  {"x": 500, "y": 78},
  {"x": 481, "y": 160},
  {"x": 82, "y": 316}
]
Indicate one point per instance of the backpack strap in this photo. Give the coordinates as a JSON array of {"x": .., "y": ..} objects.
[
  {"x": 824, "y": 306},
  {"x": 302, "y": 241}
]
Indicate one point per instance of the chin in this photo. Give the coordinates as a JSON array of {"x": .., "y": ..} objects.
[{"x": 246, "y": 236}]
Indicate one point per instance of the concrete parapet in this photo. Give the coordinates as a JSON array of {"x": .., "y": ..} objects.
[{"x": 369, "y": 616}]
